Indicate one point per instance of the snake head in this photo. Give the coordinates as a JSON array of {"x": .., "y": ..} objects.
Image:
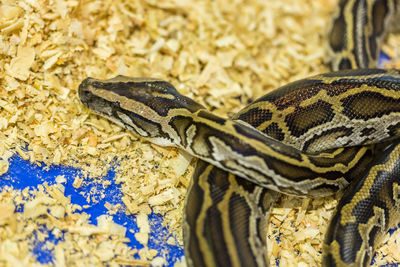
[
  {"x": 143, "y": 105},
  {"x": 104, "y": 95},
  {"x": 101, "y": 95}
]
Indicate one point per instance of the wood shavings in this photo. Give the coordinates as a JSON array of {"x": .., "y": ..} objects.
[
  {"x": 105, "y": 223},
  {"x": 37, "y": 207},
  {"x": 144, "y": 229},
  {"x": 78, "y": 235},
  {"x": 159, "y": 261},
  {"x": 6, "y": 213},
  {"x": 3, "y": 166},
  {"x": 20, "y": 65},
  {"x": 61, "y": 179},
  {"x": 77, "y": 182}
]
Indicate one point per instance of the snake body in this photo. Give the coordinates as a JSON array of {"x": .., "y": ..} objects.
[{"x": 310, "y": 138}]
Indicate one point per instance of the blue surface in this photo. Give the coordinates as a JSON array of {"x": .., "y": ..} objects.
[
  {"x": 383, "y": 58},
  {"x": 23, "y": 174}
]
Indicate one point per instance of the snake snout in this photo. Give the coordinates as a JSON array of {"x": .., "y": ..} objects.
[{"x": 84, "y": 92}]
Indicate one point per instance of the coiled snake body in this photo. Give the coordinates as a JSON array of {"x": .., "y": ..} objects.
[{"x": 312, "y": 137}]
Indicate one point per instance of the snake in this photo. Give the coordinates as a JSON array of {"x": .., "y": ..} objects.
[{"x": 337, "y": 131}]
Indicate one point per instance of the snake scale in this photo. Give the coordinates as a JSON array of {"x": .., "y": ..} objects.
[{"x": 310, "y": 138}]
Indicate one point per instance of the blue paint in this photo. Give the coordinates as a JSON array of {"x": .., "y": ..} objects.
[
  {"x": 43, "y": 254},
  {"x": 158, "y": 241},
  {"x": 383, "y": 58},
  {"x": 22, "y": 174}
]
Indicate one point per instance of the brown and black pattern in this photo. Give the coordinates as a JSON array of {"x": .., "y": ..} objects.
[
  {"x": 368, "y": 209},
  {"x": 366, "y": 105},
  {"x": 357, "y": 32},
  {"x": 255, "y": 116},
  {"x": 152, "y": 129},
  {"x": 327, "y": 89},
  {"x": 333, "y": 83},
  {"x": 274, "y": 131},
  {"x": 181, "y": 126},
  {"x": 303, "y": 119},
  {"x": 331, "y": 167},
  {"x": 227, "y": 203}
]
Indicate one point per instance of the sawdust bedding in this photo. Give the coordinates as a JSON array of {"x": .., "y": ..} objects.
[{"x": 221, "y": 53}]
